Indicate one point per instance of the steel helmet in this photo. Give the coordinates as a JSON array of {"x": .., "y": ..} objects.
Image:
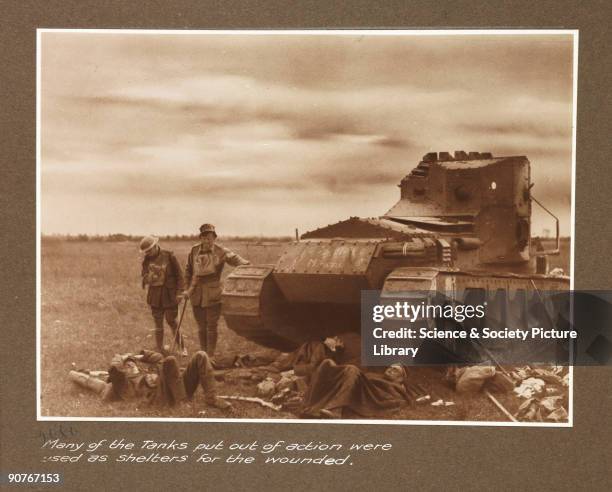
[{"x": 148, "y": 243}]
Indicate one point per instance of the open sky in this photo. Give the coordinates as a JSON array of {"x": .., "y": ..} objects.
[{"x": 146, "y": 133}]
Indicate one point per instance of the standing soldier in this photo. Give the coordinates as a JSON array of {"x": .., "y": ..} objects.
[
  {"x": 162, "y": 273},
  {"x": 203, "y": 277}
]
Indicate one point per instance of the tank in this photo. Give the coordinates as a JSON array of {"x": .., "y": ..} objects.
[{"x": 462, "y": 224}]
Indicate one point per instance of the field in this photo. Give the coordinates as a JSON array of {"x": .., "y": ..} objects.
[{"x": 93, "y": 307}]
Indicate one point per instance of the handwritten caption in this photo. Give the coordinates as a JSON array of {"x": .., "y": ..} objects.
[{"x": 278, "y": 452}]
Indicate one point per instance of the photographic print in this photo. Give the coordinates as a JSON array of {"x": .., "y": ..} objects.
[{"x": 213, "y": 204}]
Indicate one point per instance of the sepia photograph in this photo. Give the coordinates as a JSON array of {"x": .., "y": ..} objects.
[{"x": 213, "y": 206}]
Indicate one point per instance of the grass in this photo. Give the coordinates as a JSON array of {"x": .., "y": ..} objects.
[{"x": 93, "y": 307}]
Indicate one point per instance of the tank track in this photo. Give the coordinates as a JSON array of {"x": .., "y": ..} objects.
[{"x": 251, "y": 306}]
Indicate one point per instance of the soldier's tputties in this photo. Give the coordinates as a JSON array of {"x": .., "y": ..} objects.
[
  {"x": 203, "y": 276},
  {"x": 156, "y": 379},
  {"x": 162, "y": 275}
]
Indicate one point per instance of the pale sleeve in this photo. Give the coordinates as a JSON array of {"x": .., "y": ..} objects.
[{"x": 235, "y": 259}]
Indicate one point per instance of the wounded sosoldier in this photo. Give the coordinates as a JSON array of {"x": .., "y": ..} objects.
[
  {"x": 337, "y": 384},
  {"x": 167, "y": 384},
  {"x": 334, "y": 388}
]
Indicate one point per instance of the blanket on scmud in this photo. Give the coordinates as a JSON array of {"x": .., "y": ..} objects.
[{"x": 335, "y": 386}]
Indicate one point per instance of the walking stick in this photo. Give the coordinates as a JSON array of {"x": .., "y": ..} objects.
[{"x": 177, "y": 335}]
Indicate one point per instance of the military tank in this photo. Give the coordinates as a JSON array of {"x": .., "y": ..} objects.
[{"x": 462, "y": 225}]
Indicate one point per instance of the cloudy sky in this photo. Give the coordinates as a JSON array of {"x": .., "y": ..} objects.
[{"x": 262, "y": 134}]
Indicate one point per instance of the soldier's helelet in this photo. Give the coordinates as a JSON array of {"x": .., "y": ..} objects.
[
  {"x": 162, "y": 275},
  {"x": 203, "y": 278}
]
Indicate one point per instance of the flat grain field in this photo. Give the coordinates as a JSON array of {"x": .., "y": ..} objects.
[{"x": 93, "y": 307}]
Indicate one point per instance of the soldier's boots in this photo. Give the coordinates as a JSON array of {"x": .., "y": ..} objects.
[
  {"x": 87, "y": 381},
  {"x": 159, "y": 340},
  {"x": 207, "y": 380},
  {"x": 208, "y": 343},
  {"x": 211, "y": 343},
  {"x": 203, "y": 340},
  {"x": 212, "y": 346}
]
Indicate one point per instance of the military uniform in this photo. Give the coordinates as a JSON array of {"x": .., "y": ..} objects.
[
  {"x": 203, "y": 278},
  {"x": 156, "y": 379},
  {"x": 162, "y": 273}
]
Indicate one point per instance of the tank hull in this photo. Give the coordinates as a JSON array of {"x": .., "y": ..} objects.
[
  {"x": 461, "y": 224},
  {"x": 255, "y": 307}
]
